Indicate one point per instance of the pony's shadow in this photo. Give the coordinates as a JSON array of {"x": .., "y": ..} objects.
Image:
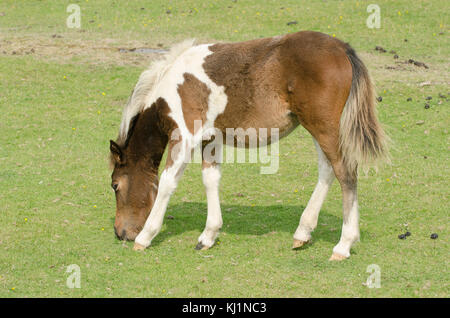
[{"x": 247, "y": 220}]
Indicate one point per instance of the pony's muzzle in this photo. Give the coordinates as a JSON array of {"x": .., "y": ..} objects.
[
  {"x": 119, "y": 236},
  {"x": 123, "y": 234}
]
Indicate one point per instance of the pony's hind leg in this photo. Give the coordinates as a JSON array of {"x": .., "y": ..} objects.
[
  {"x": 308, "y": 220},
  {"x": 211, "y": 179},
  {"x": 350, "y": 227},
  {"x": 347, "y": 178}
]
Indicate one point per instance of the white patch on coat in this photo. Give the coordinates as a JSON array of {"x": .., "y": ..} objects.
[
  {"x": 190, "y": 61},
  {"x": 162, "y": 81}
]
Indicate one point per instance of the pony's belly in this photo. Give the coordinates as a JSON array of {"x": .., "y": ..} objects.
[{"x": 258, "y": 131}]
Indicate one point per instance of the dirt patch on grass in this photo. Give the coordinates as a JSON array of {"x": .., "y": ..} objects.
[
  {"x": 56, "y": 48},
  {"x": 385, "y": 69}
]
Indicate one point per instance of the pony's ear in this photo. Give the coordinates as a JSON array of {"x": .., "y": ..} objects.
[{"x": 116, "y": 153}]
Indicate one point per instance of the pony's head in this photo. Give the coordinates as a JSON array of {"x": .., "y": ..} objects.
[{"x": 135, "y": 183}]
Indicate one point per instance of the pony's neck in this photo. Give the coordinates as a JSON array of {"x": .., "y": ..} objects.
[{"x": 147, "y": 140}]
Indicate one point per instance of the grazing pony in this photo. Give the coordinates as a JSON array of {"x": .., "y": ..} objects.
[{"x": 305, "y": 78}]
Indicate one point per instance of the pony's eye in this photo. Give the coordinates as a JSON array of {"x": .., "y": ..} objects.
[{"x": 115, "y": 186}]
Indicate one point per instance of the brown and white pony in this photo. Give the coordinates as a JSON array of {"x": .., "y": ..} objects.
[{"x": 306, "y": 78}]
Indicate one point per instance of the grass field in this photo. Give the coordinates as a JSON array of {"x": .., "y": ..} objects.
[{"x": 61, "y": 95}]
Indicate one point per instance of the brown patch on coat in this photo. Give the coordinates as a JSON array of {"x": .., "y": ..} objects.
[
  {"x": 249, "y": 71},
  {"x": 279, "y": 82},
  {"x": 320, "y": 75},
  {"x": 194, "y": 96}
]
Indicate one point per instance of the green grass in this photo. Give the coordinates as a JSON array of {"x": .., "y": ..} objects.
[{"x": 58, "y": 112}]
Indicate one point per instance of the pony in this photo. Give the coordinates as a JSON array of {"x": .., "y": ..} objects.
[{"x": 305, "y": 78}]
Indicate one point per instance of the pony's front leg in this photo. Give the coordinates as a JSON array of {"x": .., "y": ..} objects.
[
  {"x": 211, "y": 178},
  {"x": 167, "y": 184}
]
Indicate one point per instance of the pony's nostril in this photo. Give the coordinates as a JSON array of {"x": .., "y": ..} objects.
[{"x": 123, "y": 235}]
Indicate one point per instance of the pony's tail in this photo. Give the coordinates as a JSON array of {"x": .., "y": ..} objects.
[{"x": 362, "y": 141}]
